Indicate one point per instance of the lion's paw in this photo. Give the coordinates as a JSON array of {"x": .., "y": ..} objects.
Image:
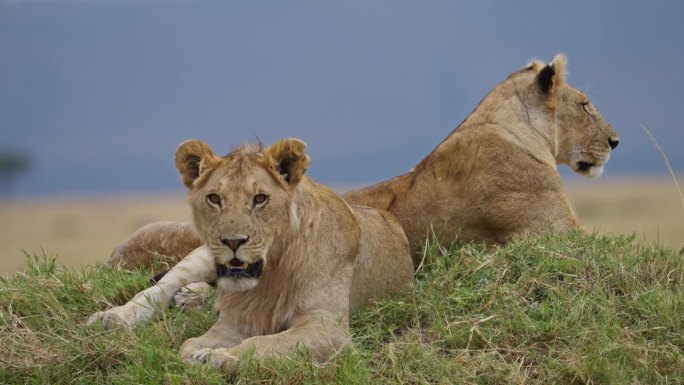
[
  {"x": 220, "y": 358},
  {"x": 192, "y": 295},
  {"x": 110, "y": 319},
  {"x": 205, "y": 356}
]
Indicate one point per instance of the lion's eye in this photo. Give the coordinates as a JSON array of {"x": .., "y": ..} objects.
[
  {"x": 214, "y": 199},
  {"x": 260, "y": 199}
]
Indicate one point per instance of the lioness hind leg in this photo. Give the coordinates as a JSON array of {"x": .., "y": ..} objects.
[
  {"x": 193, "y": 295},
  {"x": 172, "y": 239}
]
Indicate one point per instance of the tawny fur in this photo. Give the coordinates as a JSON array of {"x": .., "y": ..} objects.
[
  {"x": 322, "y": 257},
  {"x": 495, "y": 175},
  {"x": 165, "y": 241}
]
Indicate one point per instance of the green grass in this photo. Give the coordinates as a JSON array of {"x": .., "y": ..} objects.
[{"x": 554, "y": 309}]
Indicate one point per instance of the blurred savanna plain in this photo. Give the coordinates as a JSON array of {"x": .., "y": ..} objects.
[{"x": 84, "y": 230}]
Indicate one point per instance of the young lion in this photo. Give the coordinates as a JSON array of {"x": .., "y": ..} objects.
[
  {"x": 291, "y": 258},
  {"x": 493, "y": 177}
]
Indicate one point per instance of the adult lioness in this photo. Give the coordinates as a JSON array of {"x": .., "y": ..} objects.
[
  {"x": 493, "y": 177},
  {"x": 291, "y": 256}
]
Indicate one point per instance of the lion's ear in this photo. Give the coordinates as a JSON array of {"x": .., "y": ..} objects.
[
  {"x": 552, "y": 75},
  {"x": 193, "y": 158},
  {"x": 289, "y": 159}
]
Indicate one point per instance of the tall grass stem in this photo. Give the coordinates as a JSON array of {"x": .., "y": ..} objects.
[{"x": 667, "y": 161}]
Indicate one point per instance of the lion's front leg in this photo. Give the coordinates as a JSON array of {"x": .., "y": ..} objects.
[
  {"x": 192, "y": 295},
  {"x": 223, "y": 334},
  {"x": 141, "y": 308},
  {"x": 198, "y": 266},
  {"x": 225, "y": 359},
  {"x": 323, "y": 335}
]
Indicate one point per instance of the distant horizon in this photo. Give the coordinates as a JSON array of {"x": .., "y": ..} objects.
[{"x": 568, "y": 178}]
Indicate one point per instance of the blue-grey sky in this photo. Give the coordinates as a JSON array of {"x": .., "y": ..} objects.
[{"x": 102, "y": 92}]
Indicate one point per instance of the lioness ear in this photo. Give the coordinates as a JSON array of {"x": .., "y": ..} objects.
[
  {"x": 193, "y": 158},
  {"x": 552, "y": 75},
  {"x": 534, "y": 65},
  {"x": 289, "y": 159}
]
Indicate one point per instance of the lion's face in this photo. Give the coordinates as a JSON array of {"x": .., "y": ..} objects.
[
  {"x": 241, "y": 204},
  {"x": 585, "y": 139},
  {"x": 239, "y": 211}
]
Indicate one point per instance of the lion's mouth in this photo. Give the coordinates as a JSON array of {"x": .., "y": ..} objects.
[
  {"x": 590, "y": 169},
  {"x": 585, "y": 166},
  {"x": 238, "y": 269}
]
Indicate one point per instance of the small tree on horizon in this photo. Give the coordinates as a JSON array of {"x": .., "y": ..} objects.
[{"x": 12, "y": 163}]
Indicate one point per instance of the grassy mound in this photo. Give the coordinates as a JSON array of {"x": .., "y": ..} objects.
[{"x": 554, "y": 309}]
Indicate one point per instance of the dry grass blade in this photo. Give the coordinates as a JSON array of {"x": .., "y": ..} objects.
[
  {"x": 22, "y": 347},
  {"x": 667, "y": 161}
]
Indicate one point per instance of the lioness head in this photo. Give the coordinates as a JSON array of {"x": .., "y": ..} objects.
[
  {"x": 585, "y": 140},
  {"x": 242, "y": 203}
]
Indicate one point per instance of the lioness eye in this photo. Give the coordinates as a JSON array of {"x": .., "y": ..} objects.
[
  {"x": 214, "y": 199},
  {"x": 260, "y": 199}
]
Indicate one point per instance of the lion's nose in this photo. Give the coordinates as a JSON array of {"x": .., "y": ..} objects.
[
  {"x": 234, "y": 243},
  {"x": 613, "y": 142}
]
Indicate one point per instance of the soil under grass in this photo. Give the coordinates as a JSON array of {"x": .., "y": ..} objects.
[{"x": 553, "y": 309}]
